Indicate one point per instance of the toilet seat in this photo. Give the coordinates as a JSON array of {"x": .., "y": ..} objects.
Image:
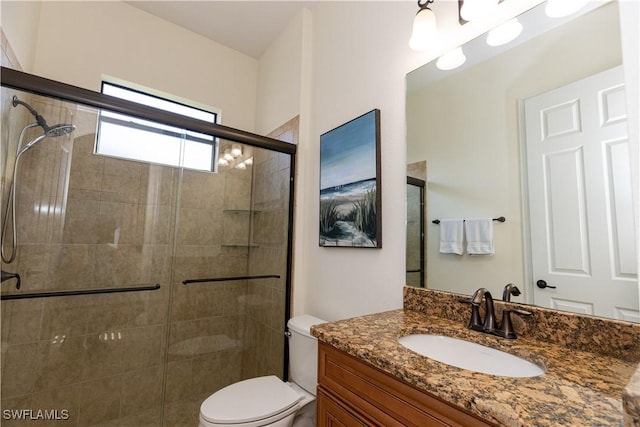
[{"x": 252, "y": 402}]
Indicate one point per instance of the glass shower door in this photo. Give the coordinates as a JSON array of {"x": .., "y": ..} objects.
[
  {"x": 229, "y": 288},
  {"x": 124, "y": 341},
  {"x": 415, "y": 233}
]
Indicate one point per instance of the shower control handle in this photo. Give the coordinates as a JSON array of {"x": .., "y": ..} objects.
[{"x": 7, "y": 276}]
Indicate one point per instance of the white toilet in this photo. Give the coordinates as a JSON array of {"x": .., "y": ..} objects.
[{"x": 268, "y": 401}]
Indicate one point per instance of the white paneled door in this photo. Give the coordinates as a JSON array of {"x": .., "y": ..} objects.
[{"x": 583, "y": 236}]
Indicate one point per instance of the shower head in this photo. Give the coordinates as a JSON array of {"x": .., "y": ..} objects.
[
  {"x": 59, "y": 130},
  {"x": 50, "y": 131}
]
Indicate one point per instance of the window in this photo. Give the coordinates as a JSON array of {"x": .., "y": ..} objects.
[{"x": 136, "y": 139}]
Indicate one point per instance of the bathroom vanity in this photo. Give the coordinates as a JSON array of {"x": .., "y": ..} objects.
[
  {"x": 365, "y": 377},
  {"x": 352, "y": 393}
]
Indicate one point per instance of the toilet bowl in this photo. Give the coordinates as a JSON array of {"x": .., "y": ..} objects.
[{"x": 269, "y": 401}]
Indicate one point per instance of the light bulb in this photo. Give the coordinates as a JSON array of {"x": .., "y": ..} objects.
[
  {"x": 425, "y": 31},
  {"x": 560, "y": 8},
  {"x": 236, "y": 150},
  {"x": 249, "y": 161},
  {"x": 451, "y": 60},
  {"x": 223, "y": 162},
  {"x": 227, "y": 154},
  {"x": 504, "y": 33},
  {"x": 477, "y": 10},
  {"x": 241, "y": 166}
]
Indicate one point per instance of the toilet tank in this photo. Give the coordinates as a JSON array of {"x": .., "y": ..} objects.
[{"x": 303, "y": 352}]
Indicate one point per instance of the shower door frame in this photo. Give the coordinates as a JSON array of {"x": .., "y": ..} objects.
[
  {"x": 420, "y": 184},
  {"x": 41, "y": 86}
]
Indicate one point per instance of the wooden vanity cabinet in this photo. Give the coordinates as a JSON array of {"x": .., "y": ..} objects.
[{"x": 353, "y": 393}]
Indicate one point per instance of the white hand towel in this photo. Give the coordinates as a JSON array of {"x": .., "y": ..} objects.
[
  {"x": 479, "y": 233},
  {"x": 451, "y": 236}
]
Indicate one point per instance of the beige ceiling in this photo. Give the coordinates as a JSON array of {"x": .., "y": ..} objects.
[{"x": 246, "y": 26}]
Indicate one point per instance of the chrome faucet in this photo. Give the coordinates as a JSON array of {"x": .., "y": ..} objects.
[{"x": 489, "y": 325}]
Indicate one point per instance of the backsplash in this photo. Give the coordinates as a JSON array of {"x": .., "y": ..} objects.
[{"x": 605, "y": 337}]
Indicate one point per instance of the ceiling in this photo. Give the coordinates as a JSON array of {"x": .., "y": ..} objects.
[{"x": 246, "y": 26}]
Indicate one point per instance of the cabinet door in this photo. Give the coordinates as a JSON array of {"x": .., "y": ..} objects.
[
  {"x": 331, "y": 413},
  {"x": 379, "y": 399}
]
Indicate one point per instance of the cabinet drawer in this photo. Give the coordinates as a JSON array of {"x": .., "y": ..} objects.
[
  {"x": 382, "y": 397},
  {"x": 333, "y": 413}
]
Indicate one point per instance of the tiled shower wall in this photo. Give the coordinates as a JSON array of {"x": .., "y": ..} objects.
[{"x": 133, "y": 359}]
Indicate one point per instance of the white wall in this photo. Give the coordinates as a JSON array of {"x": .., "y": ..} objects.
[
  {"x": 20, "y": 25},
  {"x": 279, "y": 78},
  {"x": 80, "y": 42},
  {"x": 471, "y": 142},
  {"x": 360, "y": 55}
]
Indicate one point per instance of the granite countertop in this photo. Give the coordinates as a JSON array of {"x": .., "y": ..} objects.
[{"x": 578, "y": 388}]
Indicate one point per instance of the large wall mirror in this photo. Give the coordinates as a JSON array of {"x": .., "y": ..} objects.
[{"x": 512, "y": 133}]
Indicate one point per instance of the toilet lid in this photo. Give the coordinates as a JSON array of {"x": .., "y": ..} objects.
[{"x": 249, "y": 400}]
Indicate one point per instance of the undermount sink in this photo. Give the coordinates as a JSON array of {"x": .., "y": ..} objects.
[{"x": 469, "y": 355}]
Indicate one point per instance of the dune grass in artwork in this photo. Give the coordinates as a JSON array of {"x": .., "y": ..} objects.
[
  {"x": 328, "y": 217},
  {"x": 363, "y": 214}
]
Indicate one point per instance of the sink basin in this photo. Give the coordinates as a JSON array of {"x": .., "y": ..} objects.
[{"x": 469, "y": 355}]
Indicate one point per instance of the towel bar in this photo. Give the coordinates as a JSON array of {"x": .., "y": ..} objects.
[{"x": 499, "y": 219}]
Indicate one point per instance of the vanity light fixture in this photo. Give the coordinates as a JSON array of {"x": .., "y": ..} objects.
[
  {"x": 560, "y": 8},
  {"x": 504, "y": 33},
  {"x": 451, "y": 60},
  {"x": 425, "y": 32},
  {"x": 476, "y": 10}
]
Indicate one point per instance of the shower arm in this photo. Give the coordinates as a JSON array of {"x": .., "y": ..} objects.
[{"x": 41, "y": 121}]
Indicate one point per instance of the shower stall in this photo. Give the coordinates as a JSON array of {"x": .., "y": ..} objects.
[{"x": 143, "y": 288}]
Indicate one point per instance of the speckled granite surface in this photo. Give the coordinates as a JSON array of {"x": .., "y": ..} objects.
[{"x": 580, "y": 387}]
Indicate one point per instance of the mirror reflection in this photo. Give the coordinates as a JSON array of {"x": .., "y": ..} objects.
[{"x": 512, "y": 133}]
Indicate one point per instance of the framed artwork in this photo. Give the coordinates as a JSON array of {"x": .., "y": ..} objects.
[{"x": 350, "y": 184}]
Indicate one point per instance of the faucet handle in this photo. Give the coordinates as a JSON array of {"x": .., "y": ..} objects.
[
  {"x": 6, "y": 276},
  {"x": 475, "y": 322},
  {"x": 506, "y": 330}
]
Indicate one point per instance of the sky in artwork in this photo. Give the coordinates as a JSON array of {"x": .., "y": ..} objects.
[{"x": 348, "y": 153}]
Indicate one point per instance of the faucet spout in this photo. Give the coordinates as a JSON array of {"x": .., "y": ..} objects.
[
  {"x": 489, "y": 324},
  {"x": 510, "y": 289}
]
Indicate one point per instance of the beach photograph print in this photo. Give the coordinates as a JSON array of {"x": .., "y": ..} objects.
[{"x": 350, "y": 184}]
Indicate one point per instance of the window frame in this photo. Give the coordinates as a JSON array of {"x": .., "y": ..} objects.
[{"x": 162, "y": 129}]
